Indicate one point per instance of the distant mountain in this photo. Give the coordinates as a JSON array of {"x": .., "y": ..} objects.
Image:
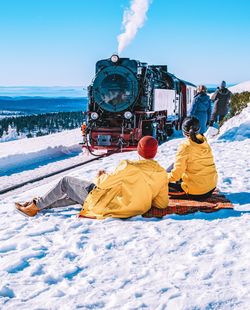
[
  {"x": 43, "y": 91},
  {"x": 38, "y": 105},
  {"x": 212, "y": 87}
]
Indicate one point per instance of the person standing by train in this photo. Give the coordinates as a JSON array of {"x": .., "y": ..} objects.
[
  {"x": 221, "y": 99},
  {"x": 130, "y": 190},
  {"x": 201, "y": 108}
]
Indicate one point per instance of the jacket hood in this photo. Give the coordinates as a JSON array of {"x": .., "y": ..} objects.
[
  {"x": 203, "y": 96},
  {"x": 203, "y": 147},
  {"x": 146, "y": 164},
  {"x": 202, "y": 102}
]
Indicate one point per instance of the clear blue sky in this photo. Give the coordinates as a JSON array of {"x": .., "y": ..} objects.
[{"x": 57, "y": 42}]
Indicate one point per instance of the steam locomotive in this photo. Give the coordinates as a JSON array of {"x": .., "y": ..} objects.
[{"x": 129, "y": 99}]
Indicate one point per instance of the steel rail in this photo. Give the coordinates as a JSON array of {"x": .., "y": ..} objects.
[{"x": 13, "y": 187}]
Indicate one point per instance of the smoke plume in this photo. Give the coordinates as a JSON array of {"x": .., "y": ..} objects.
[{"x": 133, "y": 19}]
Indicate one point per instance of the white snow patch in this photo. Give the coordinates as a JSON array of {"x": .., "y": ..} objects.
[
  {"x": 35, "y": 157},
  {"x": 241, "y": 87},
  {"x": 27, "y": 153},
  {"x": 29, "y": 145},
  {"x": 236, "y": 128},
  {"x": 211, "y": 132}
]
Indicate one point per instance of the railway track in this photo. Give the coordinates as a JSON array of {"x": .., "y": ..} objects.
[{"x": 48, "y": 175}]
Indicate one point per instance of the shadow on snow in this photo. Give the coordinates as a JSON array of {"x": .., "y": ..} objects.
[{"x": 221, "y": 214}]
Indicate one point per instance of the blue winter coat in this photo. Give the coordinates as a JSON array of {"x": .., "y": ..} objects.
[{"x": 201, "y": 109}]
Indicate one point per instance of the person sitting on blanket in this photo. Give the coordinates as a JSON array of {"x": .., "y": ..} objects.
[
  {"x": 131, "y": 190},
  {"x": 194, "y": 171}
]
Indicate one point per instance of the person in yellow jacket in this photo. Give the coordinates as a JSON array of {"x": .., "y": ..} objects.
[
  {"x": 130, "y": 190},
  {"x": 194, "y": 172}
]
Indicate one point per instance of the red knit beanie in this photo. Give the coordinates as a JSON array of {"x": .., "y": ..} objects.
[{"x": 147, "y": 147}]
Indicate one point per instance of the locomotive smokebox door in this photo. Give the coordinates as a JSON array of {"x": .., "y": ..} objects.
[
  {"x": 104, "y": 140},
  {"x": 115, "y": 89}
]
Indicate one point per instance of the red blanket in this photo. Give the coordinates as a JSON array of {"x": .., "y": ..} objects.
[{"x": 185, "y": 206}]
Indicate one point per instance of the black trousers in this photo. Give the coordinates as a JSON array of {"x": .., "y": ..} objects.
[
  {"x": 175, "y": 190},
  {"x": 214, "y": 118}
]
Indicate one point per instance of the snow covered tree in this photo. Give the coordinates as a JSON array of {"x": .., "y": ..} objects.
[{"x": 10, "y": 134}]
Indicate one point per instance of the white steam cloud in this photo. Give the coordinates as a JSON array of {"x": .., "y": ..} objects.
[{"x": 133, "y": 19}]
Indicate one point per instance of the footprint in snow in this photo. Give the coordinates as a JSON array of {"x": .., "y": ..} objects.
[
  {"x": 17, "y": 267},
  {"x": 5, "y": 291},
  {"x": 43, "y": 232},
  {"x": 227, "y": 180},
  {"x": 72, "y": 273},
  {"x": 24, "y": 262},
  {"x": 38, "y": 271},
  {"x": 7, "y": 248},
  {"x": 70, "y": 256}
]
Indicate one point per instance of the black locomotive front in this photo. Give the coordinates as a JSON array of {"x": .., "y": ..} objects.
[{"x": 127, "y": 100}]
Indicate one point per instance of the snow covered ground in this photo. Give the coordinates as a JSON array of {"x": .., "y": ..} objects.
[
  {"x": 239, "y": 88},
  {"x": 198, "y": 261},
  {"x": 28, "y": 158},
  {"x": 237, "y": 128}
]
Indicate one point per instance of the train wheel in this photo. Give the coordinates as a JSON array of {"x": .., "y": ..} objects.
[
  {"x": 177, "y": 125},
  {"x": 160, "y": 138},
  {"x": 170, "y": 131}
]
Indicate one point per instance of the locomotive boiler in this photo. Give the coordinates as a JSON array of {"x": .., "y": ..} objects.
[{"x": 129, "y": 99}]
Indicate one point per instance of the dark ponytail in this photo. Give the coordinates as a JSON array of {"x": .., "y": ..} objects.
[
  {"x": 191, "y": 127},
  {"x": 193, "y": 136}
]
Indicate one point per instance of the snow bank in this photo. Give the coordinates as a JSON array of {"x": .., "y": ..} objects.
[
  {"x": 27, "y": 152},
  {"x": 239, "y": 88},
  {"x": 236, "y": 128},
  {"x": 65, "y": 138}
]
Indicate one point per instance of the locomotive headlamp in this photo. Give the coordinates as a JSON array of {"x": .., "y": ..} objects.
[
  {"x": 114, "y": 58},
  {"x": 128, "y": 115},
  {"x": 94, "y": 116}
]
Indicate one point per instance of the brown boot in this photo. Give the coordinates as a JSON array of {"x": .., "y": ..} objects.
[
  {"x": 30, "y": 210},
  {"x": 25, "y": 204}
]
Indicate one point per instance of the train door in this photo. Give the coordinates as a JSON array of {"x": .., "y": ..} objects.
[
  {"x": 190, "y": 97},
  {"x": 183, "y": 102},
  {"x": 165, "y": 100},
  {"x": 188, "y": 100}
]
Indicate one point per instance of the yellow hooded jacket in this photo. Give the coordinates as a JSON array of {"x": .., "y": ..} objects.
[
  {"x": 131, "y": 190},
  {"x": 195, "y": 166}
]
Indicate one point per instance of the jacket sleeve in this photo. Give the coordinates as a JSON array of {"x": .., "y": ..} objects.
[
  {"x": 209, "y": 110},
  {"x": 214, "y": 96},
  {"x": 161, "y": 200},
  {"x": 110, "y": 180},
  {"x": 180, "y": 164},
  {"x": 193, "y": 107}
]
